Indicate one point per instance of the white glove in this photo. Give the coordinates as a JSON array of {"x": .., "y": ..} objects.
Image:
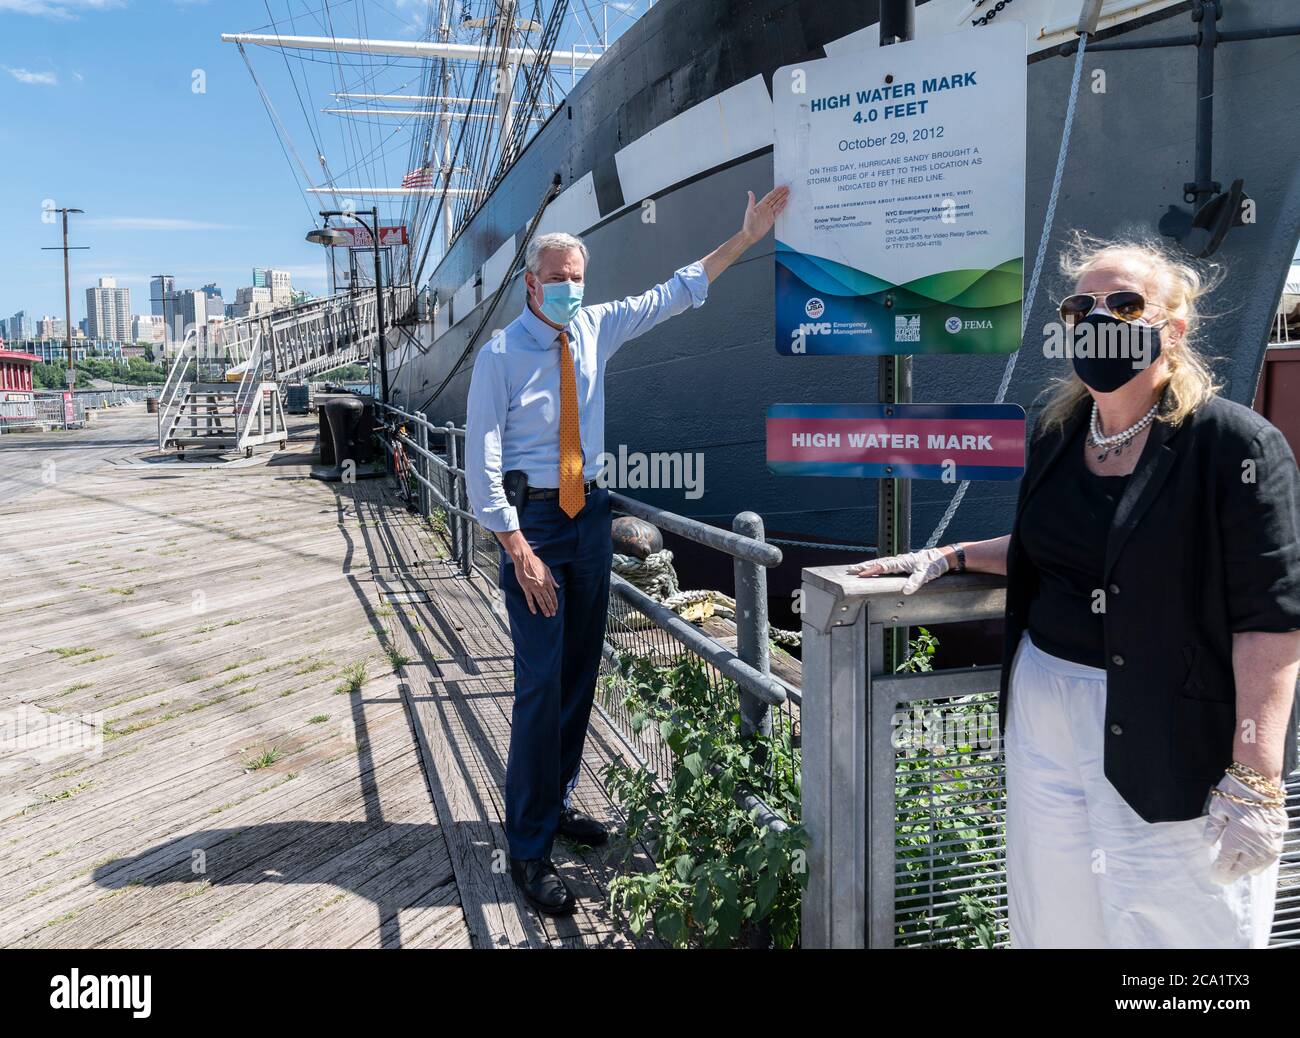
[
  {"x": 923, "y": 565},
  {"x": 1249, "y": 838}
]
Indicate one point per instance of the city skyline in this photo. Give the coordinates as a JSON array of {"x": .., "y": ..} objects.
[{"x": 112, "y": 81}]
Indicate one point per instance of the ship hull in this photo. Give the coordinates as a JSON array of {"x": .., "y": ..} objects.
[{"x": 703, "y": 381}]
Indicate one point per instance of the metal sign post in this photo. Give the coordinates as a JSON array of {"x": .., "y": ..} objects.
[{"x": 894, "y": 386}]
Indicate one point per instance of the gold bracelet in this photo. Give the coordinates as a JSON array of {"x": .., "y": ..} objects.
[
  {"x": 1260, "y": 783},
  {"x": 1216, "y": 791}
]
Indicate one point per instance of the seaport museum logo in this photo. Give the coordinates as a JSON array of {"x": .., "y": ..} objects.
[
  {"x": 907, "y": 328},
  {"x": 814, "y": 308}
]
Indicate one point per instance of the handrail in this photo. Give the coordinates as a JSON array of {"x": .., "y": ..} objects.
[
  {"x": 734, "y": 544},
  {"x": 171, "y": 388},
  {"x": 249, "y": 383},
  {"x": 727, "y": 663}
]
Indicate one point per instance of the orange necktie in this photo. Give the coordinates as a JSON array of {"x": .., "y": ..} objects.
[{"x": 571, "y": 496}]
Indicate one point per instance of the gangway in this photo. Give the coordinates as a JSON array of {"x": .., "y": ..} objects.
[{"x": 224, "y": 390}]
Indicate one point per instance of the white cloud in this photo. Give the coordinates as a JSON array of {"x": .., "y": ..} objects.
[
  {"x": 61, "y": 10},
  {"x": 32, "y": 78},
  {"x": 157, "y": 223}
]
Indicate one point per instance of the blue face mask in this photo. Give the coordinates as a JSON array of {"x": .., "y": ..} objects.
[{"x": 561, "y": 301}]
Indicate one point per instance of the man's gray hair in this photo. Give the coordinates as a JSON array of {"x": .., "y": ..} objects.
[{"x": 556, "y": 241}]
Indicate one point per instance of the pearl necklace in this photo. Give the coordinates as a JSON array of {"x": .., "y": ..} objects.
[{"x": 1117, "y": 442}]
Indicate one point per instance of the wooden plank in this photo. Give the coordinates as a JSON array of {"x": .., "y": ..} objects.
[{"x": 334, "y": 842}]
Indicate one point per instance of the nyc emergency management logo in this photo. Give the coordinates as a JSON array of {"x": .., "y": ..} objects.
[
  {"x": 953, "y": 325},
  {"x": 907, "y": 328},
  {"x": 814, "y": 308}
]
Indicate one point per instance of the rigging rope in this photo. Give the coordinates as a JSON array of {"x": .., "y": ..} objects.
[
  {"x": 1048, "y": 219},
  {"x": 286, "y": 142}
]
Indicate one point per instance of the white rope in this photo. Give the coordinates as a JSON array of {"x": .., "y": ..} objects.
[
  {"x": 1048, "y": 219},
  {"x": 656, "y": 577}
]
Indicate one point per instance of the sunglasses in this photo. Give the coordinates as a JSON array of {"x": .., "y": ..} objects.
[{"x": 1127, "y": 306}]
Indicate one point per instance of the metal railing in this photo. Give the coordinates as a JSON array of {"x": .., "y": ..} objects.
[
  {"x": 903, "y": 791},
  {"x": 45, "y": 408},
  {"x": 637, "y": 624},
  {"x": 180, "y": 376}
]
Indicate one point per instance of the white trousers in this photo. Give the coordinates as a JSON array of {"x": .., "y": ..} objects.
[{"x": 1083, "y": 868}]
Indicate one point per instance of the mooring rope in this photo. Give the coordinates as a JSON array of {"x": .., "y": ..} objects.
[
  {"x": 1048, "y": 219},
  {"x": 656, "y": 576}
]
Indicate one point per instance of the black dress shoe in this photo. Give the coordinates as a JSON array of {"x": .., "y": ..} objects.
[
  {"x": 583, "y": 828},
  {"x": 541, "y": 885}
]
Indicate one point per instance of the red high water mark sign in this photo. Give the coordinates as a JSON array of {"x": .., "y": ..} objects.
[
  {"x": 395, "y": 235},
  {"x": 947, "y": 442}
]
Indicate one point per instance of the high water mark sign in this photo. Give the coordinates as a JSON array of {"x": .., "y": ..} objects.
[
  {"x": 906, "y": 222},
  {"x": 947, "y": 442}
]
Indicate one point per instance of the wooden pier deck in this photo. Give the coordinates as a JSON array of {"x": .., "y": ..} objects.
[{"x": 304, "y": 718}]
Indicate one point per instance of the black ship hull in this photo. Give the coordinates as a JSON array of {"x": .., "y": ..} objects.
[{"x": 703, "y": 381}]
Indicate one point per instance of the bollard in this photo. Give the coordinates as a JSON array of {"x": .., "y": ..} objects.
[{"x": 751, "y": 627}]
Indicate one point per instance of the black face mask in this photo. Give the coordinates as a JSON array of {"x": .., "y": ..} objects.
[{"x": 1118, "y": 351}]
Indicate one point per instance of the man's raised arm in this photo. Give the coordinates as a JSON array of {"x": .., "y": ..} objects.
[
  {"x": 689, "y": 286},
  {"x": 759, "y": 217}
]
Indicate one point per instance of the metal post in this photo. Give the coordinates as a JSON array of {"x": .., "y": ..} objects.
[
  {"x": 835, "y": 788},
  {"x": 379, "y": 308},
  {"x": 1206, "y": 12},
  {"x": 453, "y": 520},
  {"x": 426, "y": 467},
  {"x": 894, "y": 384},
  {"x": 751, "y": 627},
  {"x": 897, "y": 21},
  {"x": 467, "y": 537},
  {"x": 71, "y": 378},
  {"x": 67, "y": 297}
]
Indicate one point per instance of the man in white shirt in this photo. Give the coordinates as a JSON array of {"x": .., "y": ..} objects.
[{"x": 536, "y": 410}]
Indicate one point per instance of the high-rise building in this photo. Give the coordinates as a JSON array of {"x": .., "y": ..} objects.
[
  {"x": 280, "y": 282},
  {"x": 18, "y": 327},
  {"x": 108, "y": 311},
  {"x": 189, "y": 310},
  {"x": 214, "y": 304},
  {"x": 161, "y": 290},
  {"x": 252, "y": 299},
  {"x": 51, "y": 327},
  {"x": 147, "y": 328}
]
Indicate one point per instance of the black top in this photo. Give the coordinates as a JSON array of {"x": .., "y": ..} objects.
[
  {"x": 1064, "y": 530},
  {"x": 1205, "y": 542}
]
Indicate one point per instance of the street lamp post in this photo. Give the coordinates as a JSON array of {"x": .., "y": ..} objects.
[{"x": 330, "y": 237}]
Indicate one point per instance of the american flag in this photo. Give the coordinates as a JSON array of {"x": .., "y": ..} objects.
[{"x": 422, "y": 177}]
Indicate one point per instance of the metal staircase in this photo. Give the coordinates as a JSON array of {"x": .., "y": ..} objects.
[{"x": 224, "y": 388}]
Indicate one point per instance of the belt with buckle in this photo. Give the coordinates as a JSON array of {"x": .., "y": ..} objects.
[{"x": 550, "y": 493}]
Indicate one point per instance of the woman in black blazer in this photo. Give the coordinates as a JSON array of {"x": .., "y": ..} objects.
[{"x": 1152, "y": 630}]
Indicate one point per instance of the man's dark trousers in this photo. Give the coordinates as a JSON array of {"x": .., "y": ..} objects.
[{"x": 556, "y": 662}]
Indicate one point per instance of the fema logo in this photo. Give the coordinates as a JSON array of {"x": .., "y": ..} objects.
[
  {"x": 952, "y": 325},
  {"x": 814, "y": 308}
]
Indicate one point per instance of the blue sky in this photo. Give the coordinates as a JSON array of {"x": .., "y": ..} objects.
[{"x": 98, "y": 111}]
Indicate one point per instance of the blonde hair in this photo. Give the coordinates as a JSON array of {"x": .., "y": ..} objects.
[{"x": 1173, "y": 284}]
